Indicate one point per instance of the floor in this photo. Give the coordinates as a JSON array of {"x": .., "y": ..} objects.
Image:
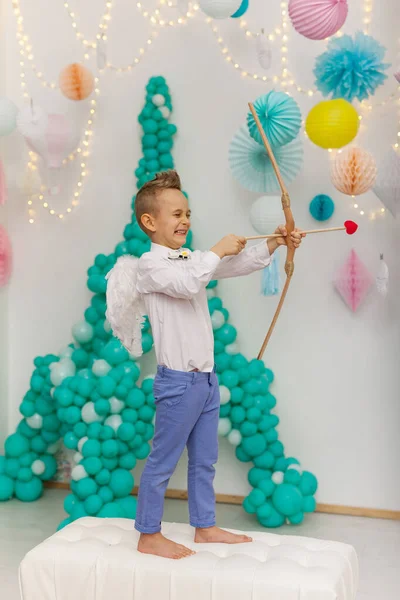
[{"x": 377, "y": 542}]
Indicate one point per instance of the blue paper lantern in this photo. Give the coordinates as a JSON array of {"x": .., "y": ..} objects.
[
  {"x": 279, "y": 116},
  {"x": 322, "y": 207}
]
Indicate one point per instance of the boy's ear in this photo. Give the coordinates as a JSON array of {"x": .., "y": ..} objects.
[{"x": 147, "y": 221}]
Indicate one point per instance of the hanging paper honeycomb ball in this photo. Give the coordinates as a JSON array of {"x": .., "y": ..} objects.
[
  {"x": 332, "y": 123},
  {"x": 220, "y": 9},
  {"x": 353, "y": 171},
  {"x": 76, "y": 82},
  {"x": 317, "y": 19}
]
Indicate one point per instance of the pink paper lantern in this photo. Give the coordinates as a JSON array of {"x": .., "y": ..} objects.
[
  {"x": 3, "y": 185},
  {"x": 317, "y": 19},
  {"x": 353, "y": 281},
  {"x": 5, "y": 257}
]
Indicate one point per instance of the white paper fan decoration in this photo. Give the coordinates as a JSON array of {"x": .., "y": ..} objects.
[
  {"x": 251, "y": 166},
  {"x": 263, "y": 50},
  {"x": 387, "y": 184}
]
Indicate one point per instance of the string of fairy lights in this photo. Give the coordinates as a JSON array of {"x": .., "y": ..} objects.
[{"x": 159, "y": 20}]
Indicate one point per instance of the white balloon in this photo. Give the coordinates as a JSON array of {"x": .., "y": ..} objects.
[
  {"x": 266, "y": 214},
  {"x": 65, "y": 353},
  {"x": 217, "y": 319},
  {"x": 232, "y": 348},
  {"x": 89, "y": 415},
  {"x": 78, "y": 473},
  {"x": 220, "y": 9},
  {"x": 225, "y": 394},
  {"x": 53, "y": 389},
  {"x": 54, "y": 448},
  {"x": 101, "y": 367},
  {"x": 77, "y": 457},
  {"x": 114, "y": 421},
  {"x": 235, "y": 437},
  {"x": 295, "y": 467},
  {"x": 38, "y": 467},
  {"x": 116, "y": 405},
  {"x": 107, "y": 326},
  {"x": 211, "y": 293},
  {"x": 158, "y": 100},
  {"x": 82, "y": 442},
  {"x": 35, "y": 421},
  {"x": 224, "y": 426},
  {"x": 61, "y": 370},
  {"x": 164, "y": 110},
  {"x": 277, "y": 477}
]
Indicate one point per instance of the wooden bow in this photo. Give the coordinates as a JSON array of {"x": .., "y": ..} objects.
[{"x": 289, "y": 264}]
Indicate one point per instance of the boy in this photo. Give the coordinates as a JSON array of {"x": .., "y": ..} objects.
[{"x": 173, "y": 286}]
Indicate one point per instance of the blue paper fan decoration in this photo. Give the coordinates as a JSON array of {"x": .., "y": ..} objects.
[
  {"x": 351, "y": 68},
  {"x": 280, "y": 118},
  {"x": 252, "y": 168}
]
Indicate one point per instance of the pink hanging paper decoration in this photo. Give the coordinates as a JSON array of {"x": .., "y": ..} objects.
[
  {"x": 353, "y": 281},
  {"x": 353, "y": 171},
  {"x": 317, "y": 19},
  {"x": 3, "y": 185},
  {"x": 5, "y": 257}
]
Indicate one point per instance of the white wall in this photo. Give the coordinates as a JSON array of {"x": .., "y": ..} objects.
[{"x": 337, "y": 375}]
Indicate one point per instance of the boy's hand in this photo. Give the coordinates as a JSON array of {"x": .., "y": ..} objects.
[
  {"x": 296, "y": 236},
  {"x": 229, "y": 245}
]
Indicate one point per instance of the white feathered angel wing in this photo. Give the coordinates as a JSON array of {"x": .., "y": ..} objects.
[{"x": 125, "y": 307}]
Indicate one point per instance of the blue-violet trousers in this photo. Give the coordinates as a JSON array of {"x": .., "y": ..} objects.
[{"x": 187, "y": 413}]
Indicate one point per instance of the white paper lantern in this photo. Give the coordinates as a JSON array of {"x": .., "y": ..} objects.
[
  {"x": 78, "y": 473},
  {"x": 235, "y": 437},
  {"x": 225, "y": 394},
  {"x": 8, "y": 116},
  {"x": 219, "y": 9},
  {"x": 89, "y": 415},
  {"x": 38, "y": 467},
  {"x": 224, "y": 426},
  {"x": 266, "y": 214}
]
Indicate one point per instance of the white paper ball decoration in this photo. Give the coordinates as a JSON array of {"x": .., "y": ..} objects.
[
  {"x": 219, "y": 9},
  {"x": 266, "y": 214},
  {"x": 225, "y": 394},
  {"x": 224, "y": 426}
]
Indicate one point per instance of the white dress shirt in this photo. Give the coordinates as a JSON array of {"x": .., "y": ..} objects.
[{"x": 175, "y": 296}]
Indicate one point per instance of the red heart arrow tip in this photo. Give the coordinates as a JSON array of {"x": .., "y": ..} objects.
[{"x": 351, "y": 227}]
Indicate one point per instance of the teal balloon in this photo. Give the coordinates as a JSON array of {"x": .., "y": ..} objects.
[
  {"x": 226, "y": 334},
  {"x": 80, "y": 430},
  {"x": 127, "y": 461},
  {"x": 91, "y": 448},
  {"x": 267, "y": 486},
  {"x": 64, "y": 523},
  {"x": 50, "y": 464},
  {"x": 276, "y": 448},
  {"x": 64, "y": 396},
  {"x": 238, "y": 362},
  {"x": 309, "y": 504},
  {"x": 150, "y": 126},
  {"x": 114, "y": 353},
  {"x": 70, "y": 503},
  {"x": 126, "y": 432},
  {"x": 308, "y": 484},
  {"x": 222, "y": 362},
  {"x": 248, "y": 506},
  {"x": 110, "y": 463},
  {"x": 230, "y": 379},
  {"x": 92, "y": 465},
  {"x": 128, "y": 505},
  {"x": 237, "y": 395},
  {"x": 16, "y": 445},
  {"x": 147, "y": 342},
  {"x": 80, "y": 357},
  {"x": 149, "y": 140},
  {"x": 121, "y": 483},
  {"x": 105, "y": 494},
  {"x": 82, "y": 332},
  {"x": 254, "y": 445},
  {"x": 266, "y": 460},
  {"x": 106, "y": 386},
  {"x": 103, "y": 478},
  {"x": 2, "y": 464},
  {"x": 94, "y": 430},
  {"x": 241, "y": 455},
  {"x": 287, "y": 499},
  {"x": 93, "y": 504},
  {"x": 251, "y": 386},
  {"x": 102, "y": 407},
  {"x": 264, "y": 511},
  {"x": 6, "y": 488},
  {"x": 86, "y": 487},
  {"x": 248, "y": 401},
  {"x": 143, "y": 451},
  {"x": 12, "y": 467},
  {"x": 238, "y": 415},
  {"x": 241, "y": 10},
  {"x": 254, "y": 415},
  {"x": 256, "y": 475},
  {"x": 280, "y": 464},
  {"x": 29, "y": 491},
  {"x": 256, "y": 367},
  {"x": 296, "y": 519},
  {"x": 25, "y": 474},
  {"x": 257, "y": 497},
  {"x": 111, "y": 510},
  {"x": 274, "y": 520},
  {"x": 78, "y": 512},
  {"x": 136, "y": 398},
  {"x": 247, "y": 429},
  {"x": 27, "y": 409},
  {"x": 72, "y": 415},
  {"x": 224, "y": 410},
  {"x": 109, "y": 448}
]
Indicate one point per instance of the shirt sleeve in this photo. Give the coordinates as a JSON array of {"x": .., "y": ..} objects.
[
  {"x": 161, "y": 276},
  {"x": 249, "y": 260}
]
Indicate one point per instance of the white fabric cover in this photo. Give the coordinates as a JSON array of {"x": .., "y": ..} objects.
[{"x": 96, "y": 559}]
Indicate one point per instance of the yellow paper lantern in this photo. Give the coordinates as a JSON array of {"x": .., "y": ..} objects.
[
  {"x": 353, "y": 171},
  {"x": 332, "y": 123},
  {"x": 76, "y": 82}
]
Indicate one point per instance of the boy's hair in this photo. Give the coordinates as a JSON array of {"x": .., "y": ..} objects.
[{"x": 146, "y": 198}]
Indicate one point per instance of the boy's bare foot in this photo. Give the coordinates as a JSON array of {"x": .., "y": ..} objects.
[
  {"x": 156, "y": 543},
  {"x": 217, "y": 535}
]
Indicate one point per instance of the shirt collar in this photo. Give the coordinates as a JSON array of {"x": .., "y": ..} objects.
[{"x": 162, "y": 250}]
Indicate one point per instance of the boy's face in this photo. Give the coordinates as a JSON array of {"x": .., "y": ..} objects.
[{"x": 170, "y": 225}]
